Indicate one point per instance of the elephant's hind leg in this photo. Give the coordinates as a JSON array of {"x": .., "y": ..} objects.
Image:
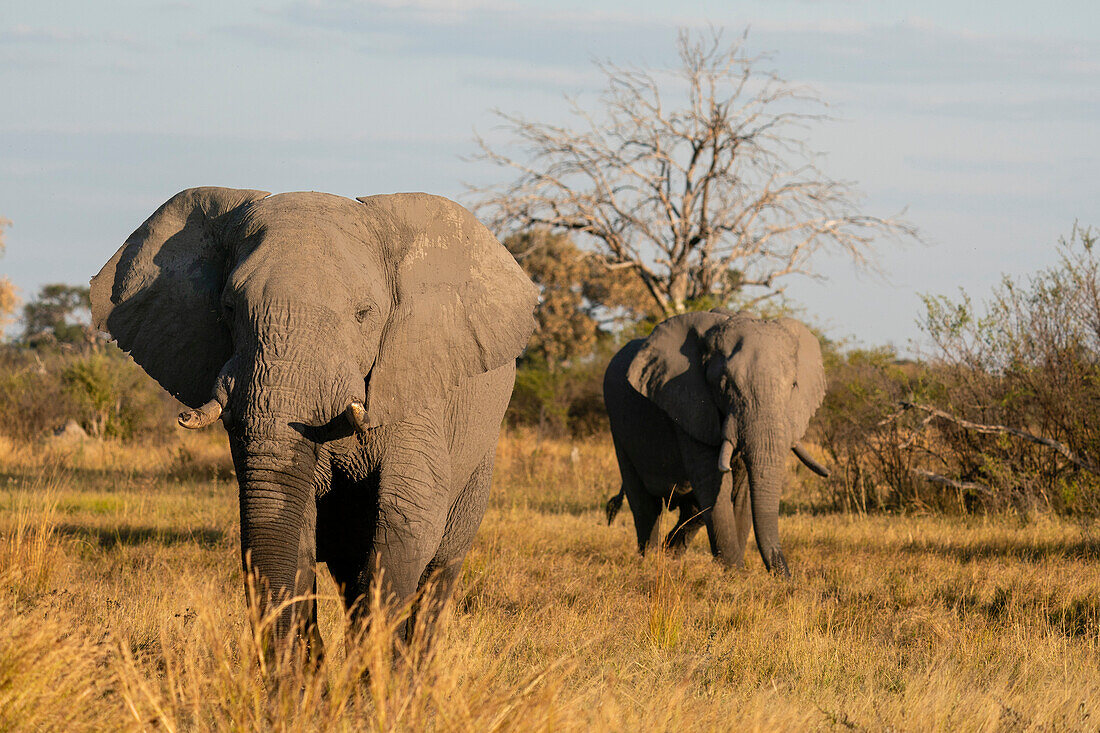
[
  {"x": 691, "y": 520},
  {"x": 644, "y": 506}
]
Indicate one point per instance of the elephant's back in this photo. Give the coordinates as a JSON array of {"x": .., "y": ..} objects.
[
  {"x": 615, "y": 384},
  {"x": 623, "y": 402},
  {"x": 643, "y": 434}
]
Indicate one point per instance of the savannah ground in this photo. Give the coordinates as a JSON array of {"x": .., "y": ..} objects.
[{"x": 122, "y": 609}]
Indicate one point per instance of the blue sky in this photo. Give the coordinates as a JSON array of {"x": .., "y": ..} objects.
[{"x": 981, "y": 117}]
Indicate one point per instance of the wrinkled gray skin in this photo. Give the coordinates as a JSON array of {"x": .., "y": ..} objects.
[
  {"x": 703, "y": 414},
  {"x": 360, "y": 355}
]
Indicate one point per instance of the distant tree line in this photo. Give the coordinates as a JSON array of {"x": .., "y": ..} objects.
[
  {"x": 1001, "y": 413},
  {"x": 59, "y": 369}
]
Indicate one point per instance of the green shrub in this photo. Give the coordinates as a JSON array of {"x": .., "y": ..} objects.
[
  {"x": 567, "y": 401},
  {"x": 857, "y": 427},
  {"x": 32, "y": 398},
  {"x": 1028, "y": 361},
  {"x": 100, "y": 388}
]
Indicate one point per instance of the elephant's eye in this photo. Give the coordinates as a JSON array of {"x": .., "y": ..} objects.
[{"x": 362, "y": 313}]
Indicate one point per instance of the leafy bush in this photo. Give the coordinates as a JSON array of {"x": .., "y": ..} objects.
[
  {"x": 102, "y": 389},
  {"x": 1003, "y": 378},
  {"x": 870, "y": 452},
  {"x": 116, "y": 398},
  {"x": 567, "y": 401},
  {"x": 1029, "y": 360},
  {"x": 32, "y": 400}
]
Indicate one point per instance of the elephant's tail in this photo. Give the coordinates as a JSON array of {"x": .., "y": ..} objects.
[{"x": 614, "y": 504}]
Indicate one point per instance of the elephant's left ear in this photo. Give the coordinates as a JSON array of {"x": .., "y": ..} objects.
[
  {"x": 159, "y": 296},
  {"x": 809, "y": 388},
  {"x": 463, "y": 306}
]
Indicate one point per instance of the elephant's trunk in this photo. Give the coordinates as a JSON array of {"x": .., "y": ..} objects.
[
  {"x": 275, "y": 488},
  {"x": 284, "y": 393},
  {"x": 764, "y": 460}
]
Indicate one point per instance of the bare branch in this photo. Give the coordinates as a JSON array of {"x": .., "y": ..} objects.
[
  {"x": 1005, "y": 430},
  {"x": 953, "y": 483}
]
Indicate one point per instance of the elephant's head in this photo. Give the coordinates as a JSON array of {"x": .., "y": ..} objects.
[
  {"x": 745, "y": 386},
  {"x": 283, "y": 314}
]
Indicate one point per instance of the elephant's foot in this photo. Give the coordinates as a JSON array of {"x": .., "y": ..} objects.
[
  {"x": 730, "y": 562},
  {"x": 777, "y": 564}
]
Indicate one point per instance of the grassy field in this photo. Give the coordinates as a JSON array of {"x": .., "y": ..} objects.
[{"x": 122, "y": 609}]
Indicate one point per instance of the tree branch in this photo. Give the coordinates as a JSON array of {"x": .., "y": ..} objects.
[
  {"x": 953, "y": 483},
  {"x": 1005, "y": 430},
  {"x": 690, "y": 174}
]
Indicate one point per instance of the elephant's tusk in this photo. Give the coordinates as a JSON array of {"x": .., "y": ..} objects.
[
  {"x": 357, "y": 416},
  {"x": 725, "y": 456},
  {"x": 200, "y": 417},
  {"x": 809, "y": 461},
  {"x": 729, "y": 443}
]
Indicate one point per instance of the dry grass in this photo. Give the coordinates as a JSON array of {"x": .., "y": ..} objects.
[{"x": 122, "y": 609}]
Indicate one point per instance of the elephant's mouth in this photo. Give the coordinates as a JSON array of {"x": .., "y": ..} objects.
[
  {"x": 728, "y": 452},
  {"x": 731, "y": 448},
  {"x": 353, "y": 418}
]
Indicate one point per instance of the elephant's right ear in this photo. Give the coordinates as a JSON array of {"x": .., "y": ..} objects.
[
  {"x": 669, "y": 370},
  {"x": 159, "y": 296},
  {"x": 809, "y": 390}
]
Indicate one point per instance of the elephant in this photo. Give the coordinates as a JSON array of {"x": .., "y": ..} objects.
[
  {"x": 702, "y": 390},
  {"x": 360, "y": 355}
]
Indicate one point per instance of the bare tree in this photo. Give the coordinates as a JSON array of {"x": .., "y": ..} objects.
[
  {"x": 700, "y": 199},
  {"x": 580, "y": 300}
]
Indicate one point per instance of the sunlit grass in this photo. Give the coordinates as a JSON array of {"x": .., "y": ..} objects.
[{"x": 122, "y": 609}]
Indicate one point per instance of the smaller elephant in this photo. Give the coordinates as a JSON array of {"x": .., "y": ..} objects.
[{"x": 703, "y": 390}]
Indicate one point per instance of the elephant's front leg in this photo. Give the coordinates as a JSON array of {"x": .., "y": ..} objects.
[
  {"x": 411, "y": 519},
  {"x": 714, "y": 492}
]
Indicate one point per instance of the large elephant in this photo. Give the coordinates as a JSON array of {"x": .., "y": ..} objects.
[
  {"x": 360, "y": 354},
  {"x": 702, "y": 390}
]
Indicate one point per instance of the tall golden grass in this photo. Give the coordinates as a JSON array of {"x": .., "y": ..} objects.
[{"x": 122, "y": 610}]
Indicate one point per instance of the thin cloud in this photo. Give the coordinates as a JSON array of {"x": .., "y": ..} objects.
[
  {"x": 499, "y": 30},
  {"x": 920, "y": 52},
  {"x": 42, "y": 36},
  {"x": 916, "y": 51},
  {"x": 543, "y": 78}
]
